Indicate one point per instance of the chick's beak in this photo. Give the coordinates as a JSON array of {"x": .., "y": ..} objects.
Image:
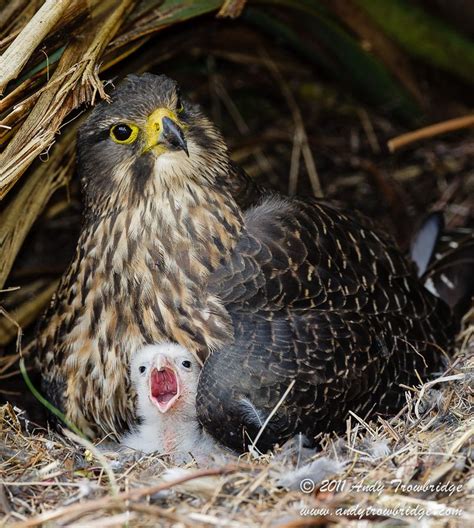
[
  {"x": 164, "y": 383},
  {"x": 164, "y": 133}
]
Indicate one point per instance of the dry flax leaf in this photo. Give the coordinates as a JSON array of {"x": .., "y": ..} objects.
[
  {"x": 72, "y": 84},
  {"x": 15, "y": 95},
  {"x": 26, "y": 313},
  {"x": 16, "y": 220},
  {"x": 15, "y": 15},
  {"x": 21, "y": 49},
  {"x": 231, "y": 8},
  {"x": 13, "y": 7}
]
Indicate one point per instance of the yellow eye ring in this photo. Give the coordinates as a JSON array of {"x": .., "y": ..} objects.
[{"x": 124, "y": 133}]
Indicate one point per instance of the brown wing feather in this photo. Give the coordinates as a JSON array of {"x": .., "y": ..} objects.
[{"x": 319, "y": 298}]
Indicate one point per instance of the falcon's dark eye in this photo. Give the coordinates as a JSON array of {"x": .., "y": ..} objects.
[
  {"x": 142, "y": 369},
  {"x": 123, "y": 133},
  {"x": 186, "y": 364}
]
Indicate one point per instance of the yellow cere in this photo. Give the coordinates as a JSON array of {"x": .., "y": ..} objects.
[{"x": 153, "y": 126}]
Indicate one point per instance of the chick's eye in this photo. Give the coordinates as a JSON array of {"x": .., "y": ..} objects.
[
  {"x": 186, "y": 364},
  {"x": 179, "y": 105},
  {"x": 142, "y": 369},
  {"x": 123, "y": 133}
]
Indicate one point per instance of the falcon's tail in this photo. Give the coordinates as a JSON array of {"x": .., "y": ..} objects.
[{"x": 445, "y": 261}]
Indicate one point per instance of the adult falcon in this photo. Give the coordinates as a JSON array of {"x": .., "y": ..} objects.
[{"x": 301, "y": 309}]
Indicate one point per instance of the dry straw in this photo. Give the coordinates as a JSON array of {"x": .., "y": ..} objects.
[
  {"x": 49, "y": 479},
  {"x": 394, "y": 466}
]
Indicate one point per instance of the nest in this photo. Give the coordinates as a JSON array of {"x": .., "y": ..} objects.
[
  {"x": 414, "y": 467},
  {"x": 279, "y": 82}
]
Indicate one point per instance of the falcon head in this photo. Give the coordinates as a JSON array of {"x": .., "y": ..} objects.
[
  {"x": 147, "y": 139},
  {"x": 165, "y": 378}
]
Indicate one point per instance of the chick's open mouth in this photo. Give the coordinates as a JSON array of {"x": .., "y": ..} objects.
[{"x": 164, "y": 388}]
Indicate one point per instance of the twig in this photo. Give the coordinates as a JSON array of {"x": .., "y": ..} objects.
[
  {"x": 19, "y": 332},
  {"x": 42, "y": 483},
  {"x": 21, "y": 49},
  {"x": 239, "y": 121},
  {"x": 121, "y": 519},
  {"x": 295, "y": 162},
  {"x": 156, "y": 511},
  {"x": 363, "y": 423},
  {"x": 299, "y": 127},
  {"x": 4, "y": 505},
  {"x": 430, "y": 131},
  {"x": 119, "y": 500},
  {"x": 369, "y": 130},
  {"x": 114, "y": 488},
  {"x": 430, "y": 384},
  {"x": 456, "y": 446},
  {"x": 270, "y": 416},
  {"x": 28, "y": 311}
]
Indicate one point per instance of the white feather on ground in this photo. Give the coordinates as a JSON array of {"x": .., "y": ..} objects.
[
  {"x": 199, "y": 487},
  {"x": 316, "y": 471},
  {"x": 377, "y": 449}
]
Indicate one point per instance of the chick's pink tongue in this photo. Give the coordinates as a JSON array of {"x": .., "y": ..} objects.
[{"x": 164, "y": 385}]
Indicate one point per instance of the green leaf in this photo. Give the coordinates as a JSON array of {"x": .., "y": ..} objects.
[
  {"x": 46, "y": 403},
  {"x": 332, "y": 49},
  {"x": 424, "y": 36}
]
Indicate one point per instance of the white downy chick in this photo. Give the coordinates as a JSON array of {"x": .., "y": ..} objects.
[{"x": 165, "y": 378}]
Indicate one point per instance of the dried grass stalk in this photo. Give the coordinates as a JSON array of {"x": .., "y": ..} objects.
[
  {"x": 21, "y": 49},
  {"x": 27, "y": 312},
  {"x": 73, "y": 83},
  {"x": 19, "y": 216}
]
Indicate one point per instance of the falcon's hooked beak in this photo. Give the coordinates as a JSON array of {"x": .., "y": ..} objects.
[
  {"x": 164, "y": 132},
  {"x": 165, "y": 387}
]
